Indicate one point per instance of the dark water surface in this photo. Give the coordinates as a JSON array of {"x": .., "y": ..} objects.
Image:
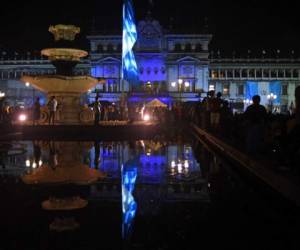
[{"x": 151, "y": 194}]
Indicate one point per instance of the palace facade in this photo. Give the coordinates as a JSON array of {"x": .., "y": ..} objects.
[{"x": 172, "y": 67}]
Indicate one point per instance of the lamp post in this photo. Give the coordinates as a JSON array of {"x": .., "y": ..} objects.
[
  {"x": 271, "y": 97},
  {"x": 27, "y": 84},
  {"x": 180, "y": 83}
]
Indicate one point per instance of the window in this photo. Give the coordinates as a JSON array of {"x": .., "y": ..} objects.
[
  {"x": 280, "y": 73},
  {"x": 288, "y": 73},
  {"x": 229, "y": 73},
  {"x": 251, "y": 73},
  {"x": 240, "y": 89},
  {"x": 244, "y": 73},
  {"x": 237, "y": 73},
  {"x": 214, "y": 74},
  {"x": 295, "y": 73},
  {"x": 265, "y": 73},
  {"x": 259, "y": 73},
  {"x": 222, "y": 74},
  {"x": 273, "y": 74},
  {"x": 284, "y": 89}
]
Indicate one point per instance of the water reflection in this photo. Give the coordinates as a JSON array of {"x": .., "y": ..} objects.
[
  {"x": 143, "y": 175},
  {"x": 129, "y": 206},
  {"x": 162, "y": 198}
]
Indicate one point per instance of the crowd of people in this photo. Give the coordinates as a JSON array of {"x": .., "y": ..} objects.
[
  {"x": 259, "y": 133},
  {"x": 256, "y": 130}
]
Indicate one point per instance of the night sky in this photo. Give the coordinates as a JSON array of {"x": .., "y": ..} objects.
[{"x": 236, "y": 25}]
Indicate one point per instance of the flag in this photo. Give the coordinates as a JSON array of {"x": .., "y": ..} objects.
[{"x": 129, "y": 65}]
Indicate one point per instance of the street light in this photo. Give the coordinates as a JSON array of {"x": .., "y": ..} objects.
[
  {"x": 27, "y": 84},
  {"x": 180, "y": 83},
  {"x": 271, "y": 97},
  {"x": 2, "y": 94}
]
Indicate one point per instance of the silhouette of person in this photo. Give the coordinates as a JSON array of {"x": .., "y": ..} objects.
[
  {"x": 36, "y": 111},
  {"x": 52, "y": 106},
  {"x": 255, "y": 116}
]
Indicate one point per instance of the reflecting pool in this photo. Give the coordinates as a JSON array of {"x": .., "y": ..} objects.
[{"x": 144, "y": 194}]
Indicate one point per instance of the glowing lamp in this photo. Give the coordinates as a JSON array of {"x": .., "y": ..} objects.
[
  {"x": 146, "y": 117},
  {"x": 27, "y": 84},
  {"x": 173, "y": 164},
  {"x": 22, "y": 117},
  {"x": 27, "y": 163},
  {"x": 186, "y": 164}
]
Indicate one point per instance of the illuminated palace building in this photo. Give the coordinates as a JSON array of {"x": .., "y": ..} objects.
[{"x": 172, "y": 67}]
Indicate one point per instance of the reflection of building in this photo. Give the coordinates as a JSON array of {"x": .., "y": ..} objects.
[{"x": 171, "y": 67}]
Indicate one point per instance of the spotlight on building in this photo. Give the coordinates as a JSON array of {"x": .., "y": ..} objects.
[
  {"x": 22, "y": 117},
  {"x": 146, "y": 117}
]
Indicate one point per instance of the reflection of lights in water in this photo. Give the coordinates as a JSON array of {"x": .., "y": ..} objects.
[
  {"x": 173, "y": 164},
  {"x": 34, "y": 165},
  {"x": 27, "y": 163},
  {"x": 40, "y": 163},
  {"x": 146, "y": 117},
  {"x": 22, "y": 117},
  {"x": 186, "y": 164},
  {"x": 148, "y": 152}
]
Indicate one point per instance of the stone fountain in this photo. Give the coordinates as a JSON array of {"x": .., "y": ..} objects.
[{"x": 65, "y": 85}]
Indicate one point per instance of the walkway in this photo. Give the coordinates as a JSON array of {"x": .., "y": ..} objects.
[{"x": 285, "y": 185}]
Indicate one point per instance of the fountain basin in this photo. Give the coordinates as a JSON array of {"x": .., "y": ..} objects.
[{"x": 59, "y": 83}]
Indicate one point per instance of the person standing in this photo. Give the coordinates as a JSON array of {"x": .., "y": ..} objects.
[
  {"x": 97, "y": 110},
  {"x": 36, "y": 111},
  {"x": 255, "y": 117},
  {"x": 52, "y": 106}
]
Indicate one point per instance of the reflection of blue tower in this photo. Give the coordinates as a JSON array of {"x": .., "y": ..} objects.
[{"x": 129, "y": 206}]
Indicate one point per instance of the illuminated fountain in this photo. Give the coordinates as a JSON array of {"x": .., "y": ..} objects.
[{"x": 64, "y": 85}]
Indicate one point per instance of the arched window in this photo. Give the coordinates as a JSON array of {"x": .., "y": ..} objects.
[
  {"x": 100, "y": 48},
  {"x": 188, "y": 47},
  {"x": 177, "y": 47},
  {"x": 198, "y": 47}
]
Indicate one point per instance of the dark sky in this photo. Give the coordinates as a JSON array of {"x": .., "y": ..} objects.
[{"x": 236, "y": 25}]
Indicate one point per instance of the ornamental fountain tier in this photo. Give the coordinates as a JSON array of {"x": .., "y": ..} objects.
[{"x": 64, "y": 85}]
